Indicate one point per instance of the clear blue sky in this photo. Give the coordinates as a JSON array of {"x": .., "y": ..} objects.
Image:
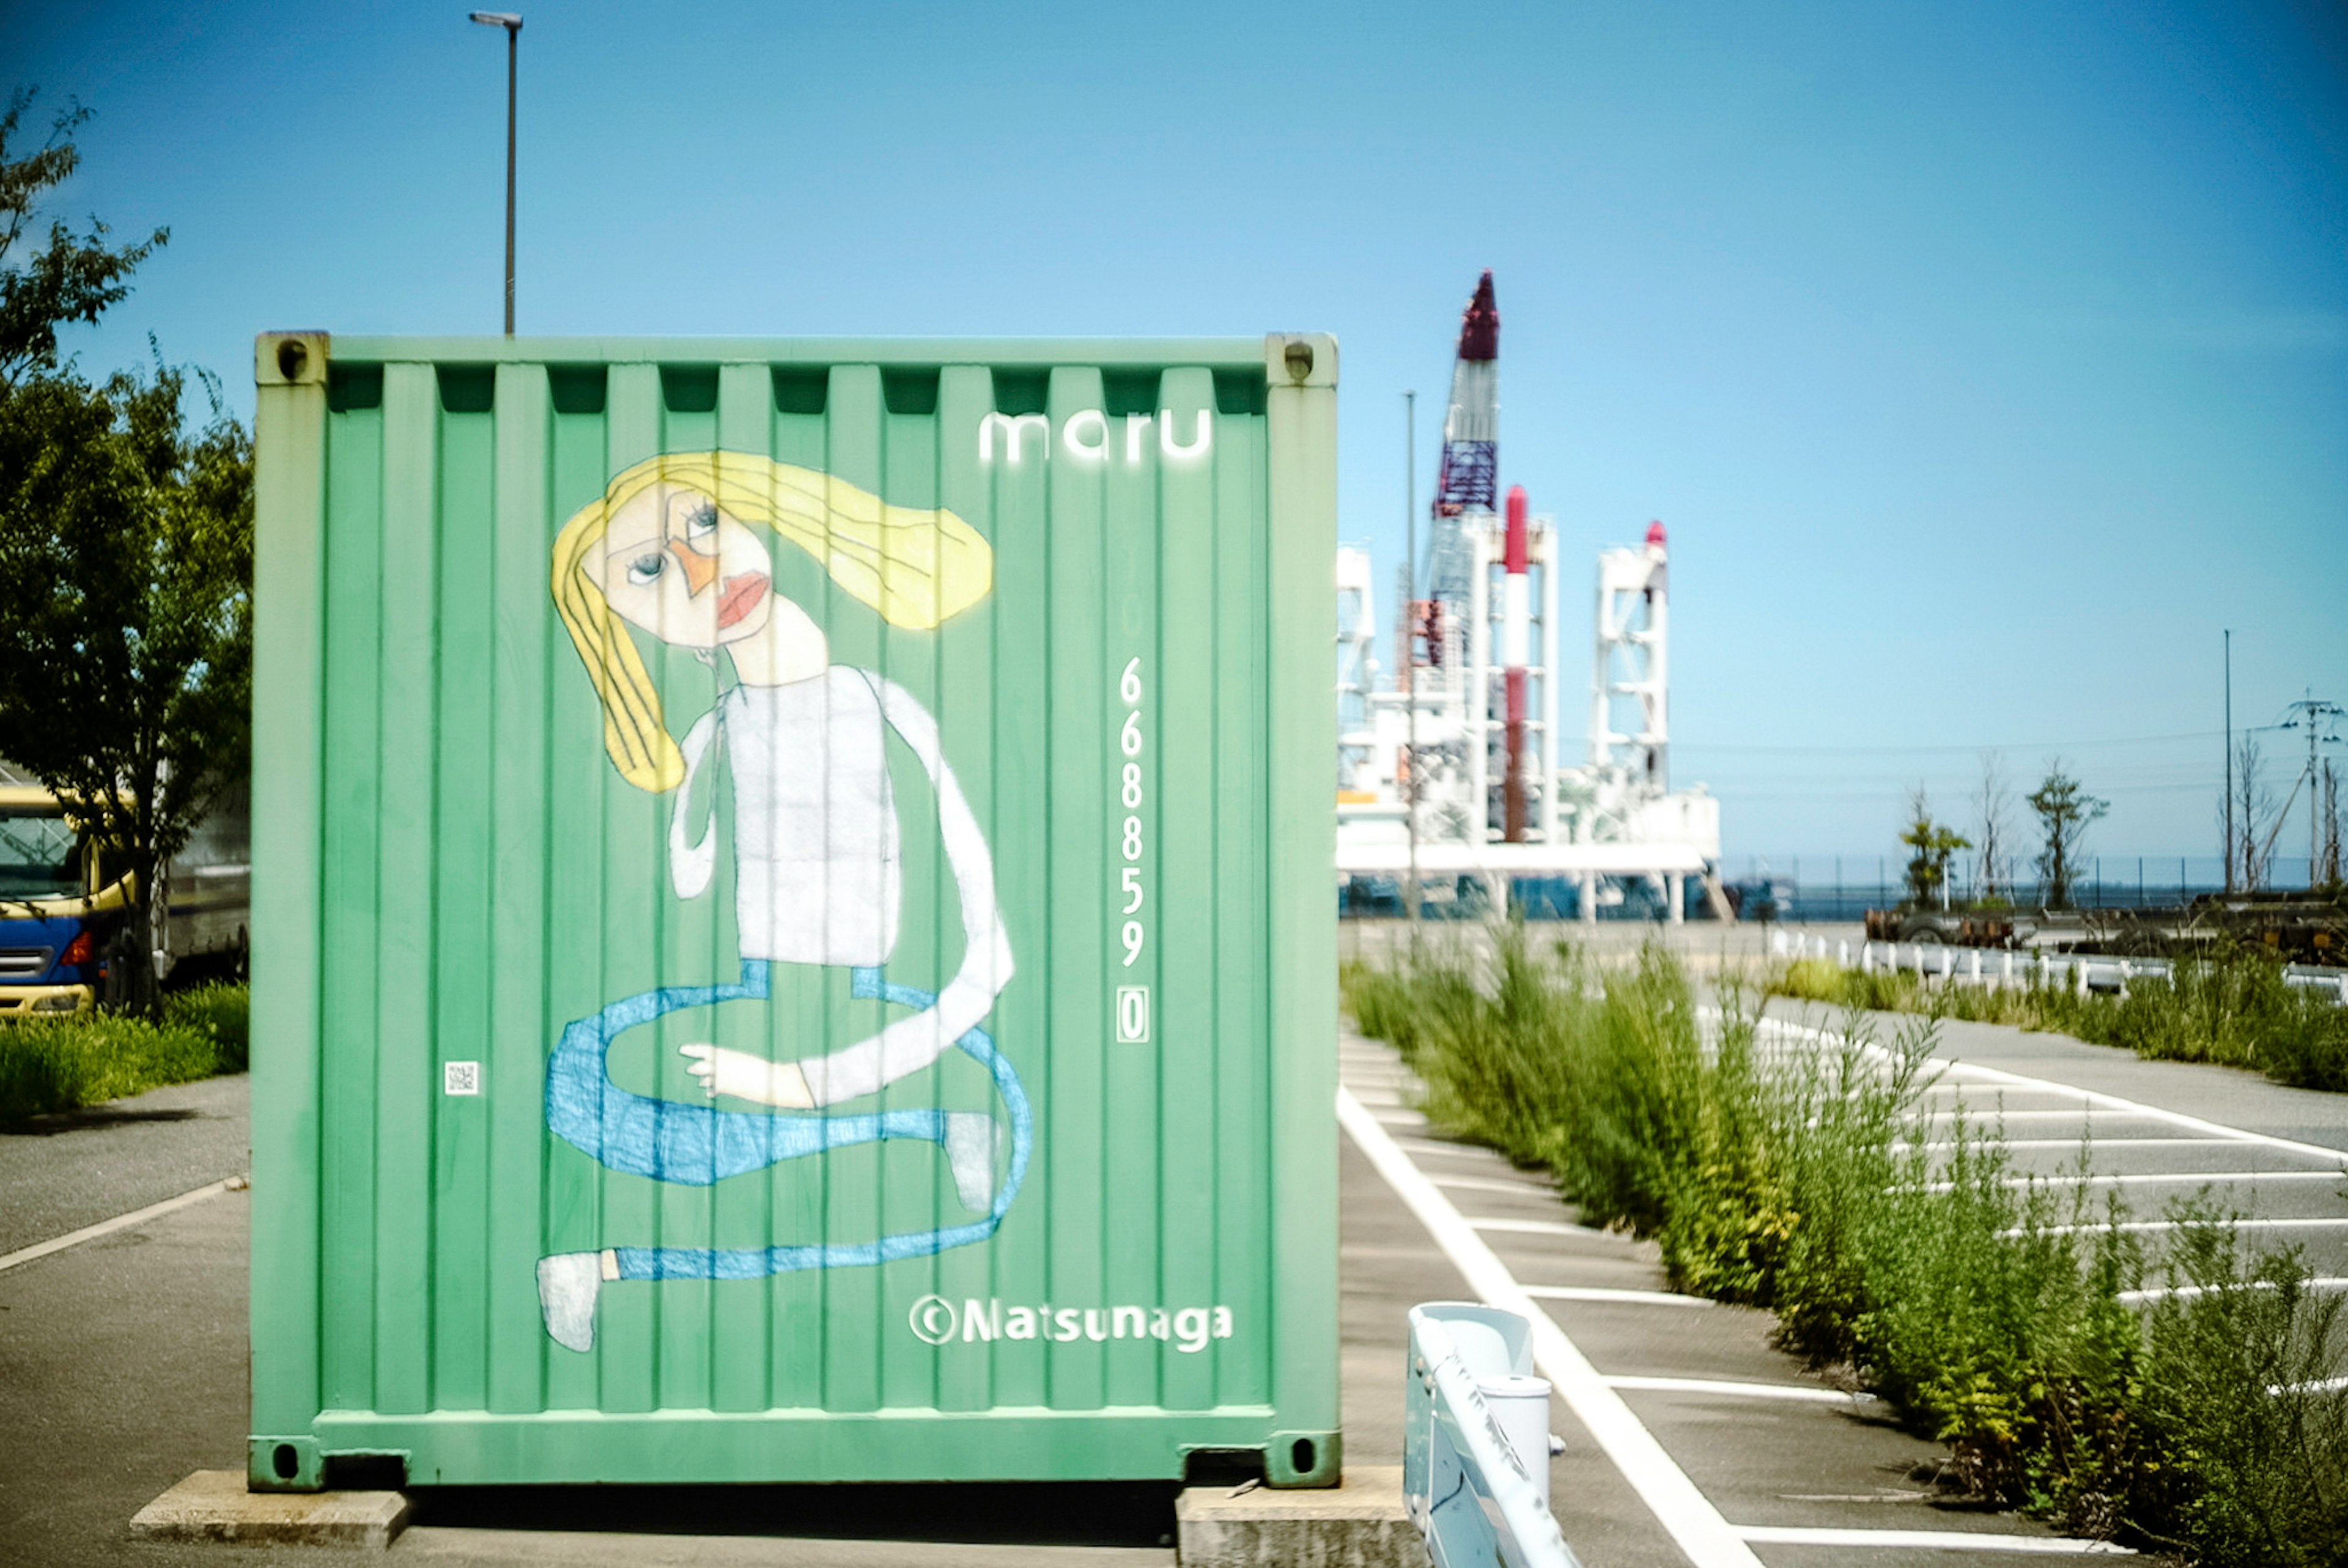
[{"x": 1984, "y": 361}]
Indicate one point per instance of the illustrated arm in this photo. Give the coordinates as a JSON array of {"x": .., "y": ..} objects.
[
  {"x": 691, "y": 865},
  {"x": 909, "y": 1044}
]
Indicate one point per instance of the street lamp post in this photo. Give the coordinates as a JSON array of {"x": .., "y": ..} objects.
[{"x": 512, "y": 24}]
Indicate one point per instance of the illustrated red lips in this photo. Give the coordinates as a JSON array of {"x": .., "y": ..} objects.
[{"x": 740, "y": 597}]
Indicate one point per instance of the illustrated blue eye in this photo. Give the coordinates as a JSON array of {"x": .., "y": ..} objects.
[
  {"x": 701, "y": 522},
  {"x": 645, "y": 568}
]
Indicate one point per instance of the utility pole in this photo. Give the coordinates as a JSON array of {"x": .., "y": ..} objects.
[
  {"x": 512, "y": 24},
  {"x": 2312, "y": 711},
  {"x": 1410, "y": 653},
  {"x": 2229, "y": 759}
]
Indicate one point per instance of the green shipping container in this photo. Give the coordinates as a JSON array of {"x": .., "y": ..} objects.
[{"x": 791, "y": 930}]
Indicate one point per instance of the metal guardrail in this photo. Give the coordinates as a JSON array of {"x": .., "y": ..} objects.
[
  {"x": 2008, "y": 967},
  {"x": 1476, "y": 1440}
]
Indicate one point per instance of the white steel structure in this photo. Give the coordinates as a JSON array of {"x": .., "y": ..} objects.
[
  {"x": 1473, "y": 708},
  {"x": 1610, "y": 821}
]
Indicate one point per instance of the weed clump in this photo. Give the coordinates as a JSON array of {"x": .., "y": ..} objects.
[
  {"x": 2233, "y": 1008},
  {"x": 66, "y": 1062}
]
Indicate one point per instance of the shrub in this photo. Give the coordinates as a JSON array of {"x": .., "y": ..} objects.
[
  {"x": 65, "y": 1063},
  {"x": 2233, "y": 1008}
]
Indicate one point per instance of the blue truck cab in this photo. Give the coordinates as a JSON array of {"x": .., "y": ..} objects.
[
  {"x": 60, "y": 912},
  {"x": 66, "y": 913}
]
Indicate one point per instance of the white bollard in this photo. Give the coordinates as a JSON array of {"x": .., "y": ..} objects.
[
  {"x": 2005, "y": 969},
  {"x": 1972, "y": 966},
  {"x": 2079, "y": 974},
  {"x": 1519, "y": 1407},
  {"x": 1842, "y": 955}
]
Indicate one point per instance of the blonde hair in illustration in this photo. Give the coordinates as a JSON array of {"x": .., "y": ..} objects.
[{"x": 917, "y": 568}]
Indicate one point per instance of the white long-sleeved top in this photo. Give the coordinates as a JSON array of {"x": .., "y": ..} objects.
[{"x": 817, "y": 871}]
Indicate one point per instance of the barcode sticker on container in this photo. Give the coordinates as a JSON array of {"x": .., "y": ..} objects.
[{"x": 460, "y": 1078}]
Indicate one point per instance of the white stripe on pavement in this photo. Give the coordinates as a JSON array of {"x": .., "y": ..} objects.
[
  {"x": 1604, "y": 1294},
  {"x": 119, "y": 1222},
  {"x": 1941, "y": 1540},
  {"x": 1528, "y": 1228},
  {"x": 2158, "y": 1178},
  {"x": 1798, "y": 1391},
  {"x": 1683, "y": 1512},
  {"x": 1491, "y": 1185}
]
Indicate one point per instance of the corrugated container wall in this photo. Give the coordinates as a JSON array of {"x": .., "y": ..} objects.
[{"x": 791, "y": 909}]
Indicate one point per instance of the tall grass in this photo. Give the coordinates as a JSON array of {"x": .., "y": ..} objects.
[
  {"x": 65, "y": 1063},
  {"x": 2233, "y": 1008},
  {"x": 1992, "y": 1314}
]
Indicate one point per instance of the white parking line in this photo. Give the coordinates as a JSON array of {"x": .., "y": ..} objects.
[
  {"x": 2160, "y": 1178},
  {"x": 2326, "y": 1223},
  {"x": 1800, "y": 1392},
  {"x": 119, "y": 1222},
  {"x": 1437, "y": 1146},
  {"x": 1529, "y": 1227},
  {"x": 1928, "y": 1540},
  {"x": 1492, "y": 1184},
  {"x": 2074, "y": 1142},
  {"x": 1599, "y": 1293},
  {"x": 2073, "y": 1113},
  {"x": 2188, "y": 1292}
]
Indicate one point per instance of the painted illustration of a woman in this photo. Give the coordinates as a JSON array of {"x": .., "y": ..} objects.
[{"x": 669, "y": 551}]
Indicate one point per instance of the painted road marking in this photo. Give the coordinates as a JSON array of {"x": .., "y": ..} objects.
[
  {"x": 1928, "y": 1539},
  {"x": 2325, "y": 1223},
  {"x": 119, "y": 1222},
  {"x": 1529, "y": 1227},
  {"x": 1601, "y": 1293},
  {"x": 2074, "y": 1142},
  {"x": 2158, "y": 1178},
  {"x": 2187, "y": 1291},
  {"x": 1491, "y": 1185},
  {"x": 1802, "y": 1392}
]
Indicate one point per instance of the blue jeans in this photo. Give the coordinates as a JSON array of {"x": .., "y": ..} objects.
[{"x": 697, "y": 1145}]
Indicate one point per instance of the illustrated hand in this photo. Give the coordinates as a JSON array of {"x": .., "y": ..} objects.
[{"x": 741, "y": 1076}]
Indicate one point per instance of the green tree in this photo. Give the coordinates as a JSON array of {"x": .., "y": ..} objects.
[
  {"x": 125, "y": 559},
  {"x": 2064, "y": 811},
  {"x": 72, "y": 278},
  {"x": 1934, "y": 842}
]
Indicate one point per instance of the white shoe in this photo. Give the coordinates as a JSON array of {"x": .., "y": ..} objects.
[
  {"x": 971, "y": 1142},
  {"x": 567, "y": 1286}
]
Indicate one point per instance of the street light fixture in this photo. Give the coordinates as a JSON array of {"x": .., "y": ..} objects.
[{"x": 512, "y": 24}]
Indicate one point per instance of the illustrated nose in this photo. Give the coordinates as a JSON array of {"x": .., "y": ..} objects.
[{"x": 700, "y": 570}]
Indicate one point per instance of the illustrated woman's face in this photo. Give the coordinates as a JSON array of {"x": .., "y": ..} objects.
[{"x": 674, "y": 563}]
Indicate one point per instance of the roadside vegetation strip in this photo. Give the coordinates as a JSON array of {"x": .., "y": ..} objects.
[
  {"x": 119, "y": 1222},
  {"x": 2001, "y": 1320},
  {"x": 71, "y": 1061},
  {"x": 2236, "y": 1009},
  {"x": 1694, "y": 1525}
]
